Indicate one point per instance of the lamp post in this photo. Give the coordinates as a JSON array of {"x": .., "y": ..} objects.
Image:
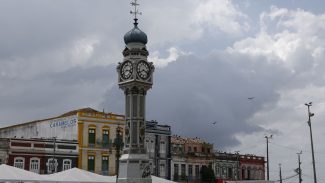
[
  {"x": 311, "y": 138},
  {"x": 267, "y": 155}
]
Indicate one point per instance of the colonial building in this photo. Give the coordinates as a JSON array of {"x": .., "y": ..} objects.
[
  {"x": 188, "y": 157},
  {"x": 158, "y": 145},
  {"x": 252, "y": 167},
  {"x": 233, "y": 167},
  {"x": 226, "y": 166},
  {"x": 42, "y": 156},
  {"x": 93, "y": 131}
]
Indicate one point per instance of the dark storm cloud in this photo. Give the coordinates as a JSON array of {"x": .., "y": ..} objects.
[
  {"x": 192, "y": 93},
  {"x": 53, "y": 94},
  {"x": 36, "y": 26}
]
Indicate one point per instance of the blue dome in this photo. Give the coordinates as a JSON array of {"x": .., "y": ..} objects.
[{"x": 135, "y": 36}]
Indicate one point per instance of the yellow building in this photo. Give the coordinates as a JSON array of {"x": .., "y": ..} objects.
[{"x": 95, "y": 132}]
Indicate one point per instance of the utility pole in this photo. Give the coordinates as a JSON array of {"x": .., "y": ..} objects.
[
  {"x": 267, "y": 156},
  {"x": 280, "y": 173},
  {"x": 53, "y": 163},
  {"x": 311, "y": 138},
  {"x": 299, "y": 168}
]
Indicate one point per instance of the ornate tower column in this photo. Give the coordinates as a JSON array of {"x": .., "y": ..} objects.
[{"x": 135, "y": 79}]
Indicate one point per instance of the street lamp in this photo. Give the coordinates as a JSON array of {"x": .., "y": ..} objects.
[
  {"x": 311, "y": 138},
  {"x": 267, "y": 155}
]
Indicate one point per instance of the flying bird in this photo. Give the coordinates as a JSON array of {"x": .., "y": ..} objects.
[
  {"x": 215, "y": 122},
  {"x": 250, "y": 98}
]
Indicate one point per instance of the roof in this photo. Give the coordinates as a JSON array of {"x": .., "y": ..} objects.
[
  {"x": 184, "y": 140},
  {"x": 70, "y": 113}
]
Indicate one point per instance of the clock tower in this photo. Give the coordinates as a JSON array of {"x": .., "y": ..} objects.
[{"x": 135, "y": 79}]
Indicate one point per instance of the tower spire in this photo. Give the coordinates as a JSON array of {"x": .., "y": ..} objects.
[{"x": 136, "y": 11}]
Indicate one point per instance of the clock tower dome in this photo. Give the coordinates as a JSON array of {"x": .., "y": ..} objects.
[{"x": 135, "y": 79}]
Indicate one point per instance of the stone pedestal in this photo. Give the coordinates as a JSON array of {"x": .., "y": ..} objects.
[{"x": 134, "y": 168}]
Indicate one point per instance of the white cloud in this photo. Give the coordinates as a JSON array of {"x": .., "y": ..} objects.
[
  {"x": 221, "y": 15},
  {"x": 173, "y": 52},
  {"x": 296, "y": 40}
]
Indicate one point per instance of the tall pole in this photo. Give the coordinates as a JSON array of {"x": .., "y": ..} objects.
[
  {"x": 267, "y": 156},
  {"x": 311, "y": 138},
  {"x": 280, "y": 173},
  {"x": 299, "y": 166}
]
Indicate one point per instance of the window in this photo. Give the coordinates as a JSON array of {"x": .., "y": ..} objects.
[
  {"x": 217, "y": 170},
  {"x": 91, "y": 136},
  {"x": 230, "y": 172},
  {"x": 183, "y": 167},
  {"x": 197, "y": 170},
  {"x": 52, "y": 165},
  {"x": 195, "y": 149},
  {"x": 162, "y": 170},
  {"x": 19, "y": 162},
  {"x": 91, "y": 163},
  {"x": 248, "y": 174},
  {"x": 176, "y": 170},
  {"x": 162, "y": 147},
  {"x": 66, "y": 164},
  {"x": 189, "y": 148},
  {"x": 105, "y": 138},
  {"x": 34, "y": 165},
  {"x": 0, "y": 161},
  {"x": 190, "y": 171},
  {"x": 105, "y": 165}
]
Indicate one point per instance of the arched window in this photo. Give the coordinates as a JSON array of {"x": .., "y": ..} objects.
[
  {"x": 66, "y": 164},
  {"x": 19, "y": 162},
  {"x": 52, "y": 165},
  {"x": 34, "y": 165}
]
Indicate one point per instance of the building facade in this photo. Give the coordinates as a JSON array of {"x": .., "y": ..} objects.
[
  {"x": 252, "y": 167},
  {"x": 226, "y": 166},
  {"x": 158, "y": 146},
  {"x": 188, "y": 157},
  {"x": 43, "y": 156},
  {"x": 93, "y": 131}
]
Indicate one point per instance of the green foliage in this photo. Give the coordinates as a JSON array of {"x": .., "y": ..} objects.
[{"x": 207, "y": 174}]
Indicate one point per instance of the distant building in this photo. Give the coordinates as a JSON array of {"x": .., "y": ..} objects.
[
  {"x": 158, "y": 145},
  {"x": 188, "y": 157},
  {"x": 93, "y": 131},
  {"x": 226, "y": 166},
  {"x": 41, "y": 156},
  {"x": 252, "y": 167}
]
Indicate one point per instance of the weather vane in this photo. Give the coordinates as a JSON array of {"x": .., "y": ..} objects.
[{"x": 136, "y": 11}]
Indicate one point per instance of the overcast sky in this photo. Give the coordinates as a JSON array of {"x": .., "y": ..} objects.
[{"x": 210, "y": 57}]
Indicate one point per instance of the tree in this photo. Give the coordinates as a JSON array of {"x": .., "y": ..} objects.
[{"x": 207, "y": 174}]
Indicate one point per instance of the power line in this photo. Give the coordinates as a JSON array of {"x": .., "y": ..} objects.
[
  {"x": 294, "y": 149},
  {"x": 290, "y": 177}
]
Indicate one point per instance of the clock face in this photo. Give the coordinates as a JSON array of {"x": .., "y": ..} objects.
[
  {"x": 126, "y": 70},
  {"x": 143, "y": 69}
]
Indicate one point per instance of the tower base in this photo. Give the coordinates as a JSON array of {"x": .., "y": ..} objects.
[{"x": 134, "y": 168}]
